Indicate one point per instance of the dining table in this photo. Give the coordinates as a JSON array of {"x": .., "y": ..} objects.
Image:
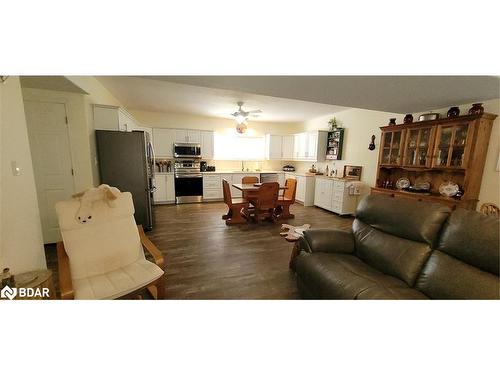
[{"x": 250, "y": 193}]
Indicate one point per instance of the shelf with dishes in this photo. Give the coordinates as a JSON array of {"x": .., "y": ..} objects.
[{"x": 432, "y": 160}]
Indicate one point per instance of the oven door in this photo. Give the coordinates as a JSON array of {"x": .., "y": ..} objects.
[
  {"x": 188, "y": 188},
  {"x": 187, "y": 150}
]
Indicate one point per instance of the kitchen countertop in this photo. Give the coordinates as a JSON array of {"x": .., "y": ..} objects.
[{"x": 306, "y": 174}]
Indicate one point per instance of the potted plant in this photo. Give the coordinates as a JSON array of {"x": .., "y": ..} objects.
[{"x": 334, "y": 124}]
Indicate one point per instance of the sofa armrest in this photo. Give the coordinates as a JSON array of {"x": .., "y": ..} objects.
[{"x": 327, "y": 241}]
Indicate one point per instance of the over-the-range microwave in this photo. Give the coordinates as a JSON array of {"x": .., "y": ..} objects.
[{"x": 187, "y": 150}]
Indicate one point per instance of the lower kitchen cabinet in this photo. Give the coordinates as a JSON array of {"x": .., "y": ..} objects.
[
  {"x": 333, "y": 195},
  {"x": 305, "y": 188},
  {"x": 212, "y": 187},
  {"x": 165, "y": 189}
]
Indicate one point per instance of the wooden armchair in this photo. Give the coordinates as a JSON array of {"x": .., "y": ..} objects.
[
  {"x": 249, "y": 180},
  {"x": 104, "y": 258},
  {"x": 288, "y": 198},
  {"x": 235, "y": 206}
]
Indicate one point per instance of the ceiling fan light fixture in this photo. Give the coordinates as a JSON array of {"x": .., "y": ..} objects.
[{"x": 240, "y": 119}]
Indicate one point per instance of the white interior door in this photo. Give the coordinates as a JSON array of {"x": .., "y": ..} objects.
[{"x": 50, "y": 151}]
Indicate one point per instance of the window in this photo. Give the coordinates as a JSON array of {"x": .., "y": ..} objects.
[{"x": 236, "y": 147}]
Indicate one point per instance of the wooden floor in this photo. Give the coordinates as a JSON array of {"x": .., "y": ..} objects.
[{"x": 206, "y": 259}]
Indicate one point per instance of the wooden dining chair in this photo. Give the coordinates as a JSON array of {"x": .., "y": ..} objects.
[
  {"x": 267, "y": 197},
  {"x": 235, "y": 206},
  {"x": 249, "y": 180},
  {"x": 490, "y": 209},
  {"x": 286, "y": 200}
]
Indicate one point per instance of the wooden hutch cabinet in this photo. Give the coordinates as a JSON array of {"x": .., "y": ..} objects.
[{"x": 436, "y": 151}]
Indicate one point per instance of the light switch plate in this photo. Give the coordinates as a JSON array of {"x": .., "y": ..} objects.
[{"x": 16, "y": 169}]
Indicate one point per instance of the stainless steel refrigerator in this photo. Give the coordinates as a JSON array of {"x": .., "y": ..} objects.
[{"x": 126, "y": 160}]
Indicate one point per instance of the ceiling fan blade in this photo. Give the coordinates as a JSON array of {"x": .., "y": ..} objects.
[{"x": 256, "y": 111}]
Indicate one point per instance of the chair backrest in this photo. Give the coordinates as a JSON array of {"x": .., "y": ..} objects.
[
  {"x": 249, "y": 180},
  {"x": 490, "y": 209},
  {"x": 107, "y": 242},
  {"x": 226, "y": 191},
  {"x": 267, "y": 196},
  {"x": 291, "y": 184}
]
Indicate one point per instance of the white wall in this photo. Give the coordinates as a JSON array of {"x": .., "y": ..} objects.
[
  {"x": 490, "y": 185},
  {"x": 97, "y": 94},
  {"x": 21, "y": 243},
  {"x": 77, "y": 129},
  {"x": 359, "y": 125}
]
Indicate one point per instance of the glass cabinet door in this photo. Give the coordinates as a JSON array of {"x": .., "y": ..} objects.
[
  {"x": 417, "y": 149},
  {"x": 391, "y": 147},
  {"x": 451, "y": 146}
]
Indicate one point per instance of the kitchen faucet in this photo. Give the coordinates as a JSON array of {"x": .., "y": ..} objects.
[{"x": 242, "y": 166}]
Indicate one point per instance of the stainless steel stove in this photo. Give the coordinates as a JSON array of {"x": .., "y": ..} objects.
[{"x": 188, "y": 181}]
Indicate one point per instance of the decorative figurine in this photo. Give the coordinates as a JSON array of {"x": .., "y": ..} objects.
[
  {"x": 408, "y": 119},
  {"x": 392, "y": 121},
  {"x": 476, "y": 109},
  {"x": 453, "y": 112}
]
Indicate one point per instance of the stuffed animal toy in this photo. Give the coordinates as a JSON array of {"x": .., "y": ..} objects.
[{"x": 103, "y": 192}]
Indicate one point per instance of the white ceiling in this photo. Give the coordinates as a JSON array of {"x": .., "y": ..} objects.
[
  {"x": 398, "y": 94},
  {"x": 297, "y": 98},
  {"x": 162, "y": 96},
  {"x": 56, "y": 83}
]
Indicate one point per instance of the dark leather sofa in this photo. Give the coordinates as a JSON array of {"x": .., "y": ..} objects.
[{"x": 402, "y": 249}]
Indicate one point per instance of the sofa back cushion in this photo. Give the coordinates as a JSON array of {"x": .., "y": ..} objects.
[
  {"x": 405, "y": 218},
  {"x": 466, "y": 262},
  {"x": 392, "y": 255}
]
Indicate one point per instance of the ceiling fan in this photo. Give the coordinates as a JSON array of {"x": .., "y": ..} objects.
[{"x": 242, "y": 116}]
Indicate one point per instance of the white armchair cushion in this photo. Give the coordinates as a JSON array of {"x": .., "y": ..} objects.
[
  {"x": 117, "y": 283},
  {"x": 105, "y": 254}
]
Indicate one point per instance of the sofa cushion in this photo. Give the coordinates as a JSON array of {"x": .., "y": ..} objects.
[
  {"x": 406, "y": 218},
  {"x": 344, "y": 276},
  {"x": 445, "y": 277},
  {"x": 389, "y": 254},
  {"x": 473, "y": 238},
  {"x": 118, "y": 282}
]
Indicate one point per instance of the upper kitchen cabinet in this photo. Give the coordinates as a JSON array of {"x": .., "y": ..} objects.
[
  {"x": 207, "y": 144},
  {"x": 163, "y": 142},
  {"x": 274, "y": 147},
  {"x": 310, "y": 146},
  {"x": 187, "y": 136},
  {"x": 113, "y": 118},
  {"x": 287, "y": 147}
]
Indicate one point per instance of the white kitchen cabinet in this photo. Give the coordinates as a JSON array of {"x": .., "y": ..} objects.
[
  {"x": 163, "y": 142},
  {"x": 300, "y": 146},
  {"x": 312, "y": 146},
  {"x": 273, "y": 147},
  {"x": 187, "y": 136},
  {"x": 207, "y": 144},
  {"x": 333, "y": 195},
  {"x": 305, "y": 188},
  {"x": 108, "y": 117},
  {"x": 287, "y": 147},
  {"x": 212, "y": 187},
  {"x": 323, "y": 193},
  {"x": 165, "y": 189}
]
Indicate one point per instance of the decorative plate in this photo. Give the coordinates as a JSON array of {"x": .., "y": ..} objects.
[
  {"x": 448, "y": 189},
  {"x": 402, "y": 183},
  {"x": 425, "y": 185}
]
